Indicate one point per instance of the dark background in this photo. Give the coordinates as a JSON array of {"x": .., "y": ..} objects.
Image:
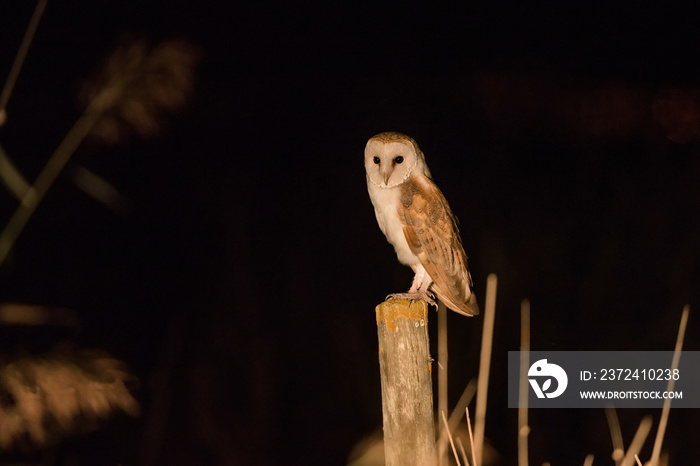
[{"x": 240, "y": 286}]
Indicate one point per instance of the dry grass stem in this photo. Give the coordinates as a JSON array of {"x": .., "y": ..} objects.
[
  {"x": 442, "y": 379},
  {"x": 449, "y": 436},
  {"x": 485, "y": 365},
  {"x": 615, "y": 434},
  {"x": 636, "y": 457},
  {"x": 523, "y": 427},
  {"x": 100, "y": 189},
  {"x": 11, "y": 178},
  {"x": 44, "y": 181},
  {"x": 588, "y": 461},
  {"x": 638, "y": 441},
  {"x": 464, "y": 400},
  {"x": 19, "y": 59},
  {"x": 462, "y": 453},
  {"x": 457, "y": 414},
  {"x": 135, "y": 88},
  {"x": 471, "y": 438},
  {"x": 658, "y": 441}
]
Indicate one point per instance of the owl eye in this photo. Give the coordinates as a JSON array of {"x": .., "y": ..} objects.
[
  {"x": 376, "y": 160},
  {"x": 398, "y": 159}
]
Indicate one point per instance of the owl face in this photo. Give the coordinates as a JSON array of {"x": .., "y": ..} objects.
[{"x": 391, "y": 158}]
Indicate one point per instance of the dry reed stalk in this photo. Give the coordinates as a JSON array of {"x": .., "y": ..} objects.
[
  {"x": 11, "y": 177},
  {"x": 656, "y": 452},
  {"x": 523, "y": 427},
  {"x": 19, "y": 58},
  {"x": 462, "y": 453},
  {"x": 464, "y": 400},
  {"x": 442, "y": 380},
  {"x": 485, "y": 366},
  {"x": 449, "y": 436},
  {"x": 615, "y": 434},
  {"x": 638, "y": 441},
  {"x": 471, "y": 437},
  {"x": 135, "y": 88}
]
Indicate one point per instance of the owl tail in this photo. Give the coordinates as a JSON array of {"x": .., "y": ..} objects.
[{"x": 469, "y": 307}]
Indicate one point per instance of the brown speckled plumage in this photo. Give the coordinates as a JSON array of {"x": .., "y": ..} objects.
[{"x": 417, "y": 220}]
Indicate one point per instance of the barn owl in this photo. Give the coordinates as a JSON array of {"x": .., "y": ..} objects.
[{"x": 416, "y": 219}]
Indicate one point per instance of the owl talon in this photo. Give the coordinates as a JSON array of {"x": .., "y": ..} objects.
[{"x": 412, "y": 297}]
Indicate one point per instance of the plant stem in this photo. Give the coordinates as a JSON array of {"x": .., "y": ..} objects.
[
  {"x": 48, "y": 175},
  {"x": 21, "y": 55}
]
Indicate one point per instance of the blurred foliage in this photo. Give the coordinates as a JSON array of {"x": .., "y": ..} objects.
[
  {"x": 141, "y": 84},
  {"x": 43, "y": 398}
]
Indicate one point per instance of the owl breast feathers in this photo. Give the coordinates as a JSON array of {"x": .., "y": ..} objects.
[{"x": 417, "y": 220}]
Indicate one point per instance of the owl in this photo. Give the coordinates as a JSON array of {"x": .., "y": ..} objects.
[{"x": 416, "y": 219}]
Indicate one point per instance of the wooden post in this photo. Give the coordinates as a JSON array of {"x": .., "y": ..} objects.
[{"x": 407, "y": 391}]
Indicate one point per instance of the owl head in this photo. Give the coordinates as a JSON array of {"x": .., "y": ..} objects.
[{"x": 391, "y": 158}]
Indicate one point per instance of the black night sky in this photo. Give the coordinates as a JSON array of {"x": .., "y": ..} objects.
[{"x": 239, "y": 284}]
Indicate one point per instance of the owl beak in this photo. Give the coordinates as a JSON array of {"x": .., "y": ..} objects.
[{"x": 387, "y": 175}]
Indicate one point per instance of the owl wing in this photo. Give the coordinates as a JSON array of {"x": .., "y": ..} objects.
[{"x": 432, "y": 234}]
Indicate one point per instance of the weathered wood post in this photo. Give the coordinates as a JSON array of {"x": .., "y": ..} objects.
[{"x": 407, "y": 392}]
